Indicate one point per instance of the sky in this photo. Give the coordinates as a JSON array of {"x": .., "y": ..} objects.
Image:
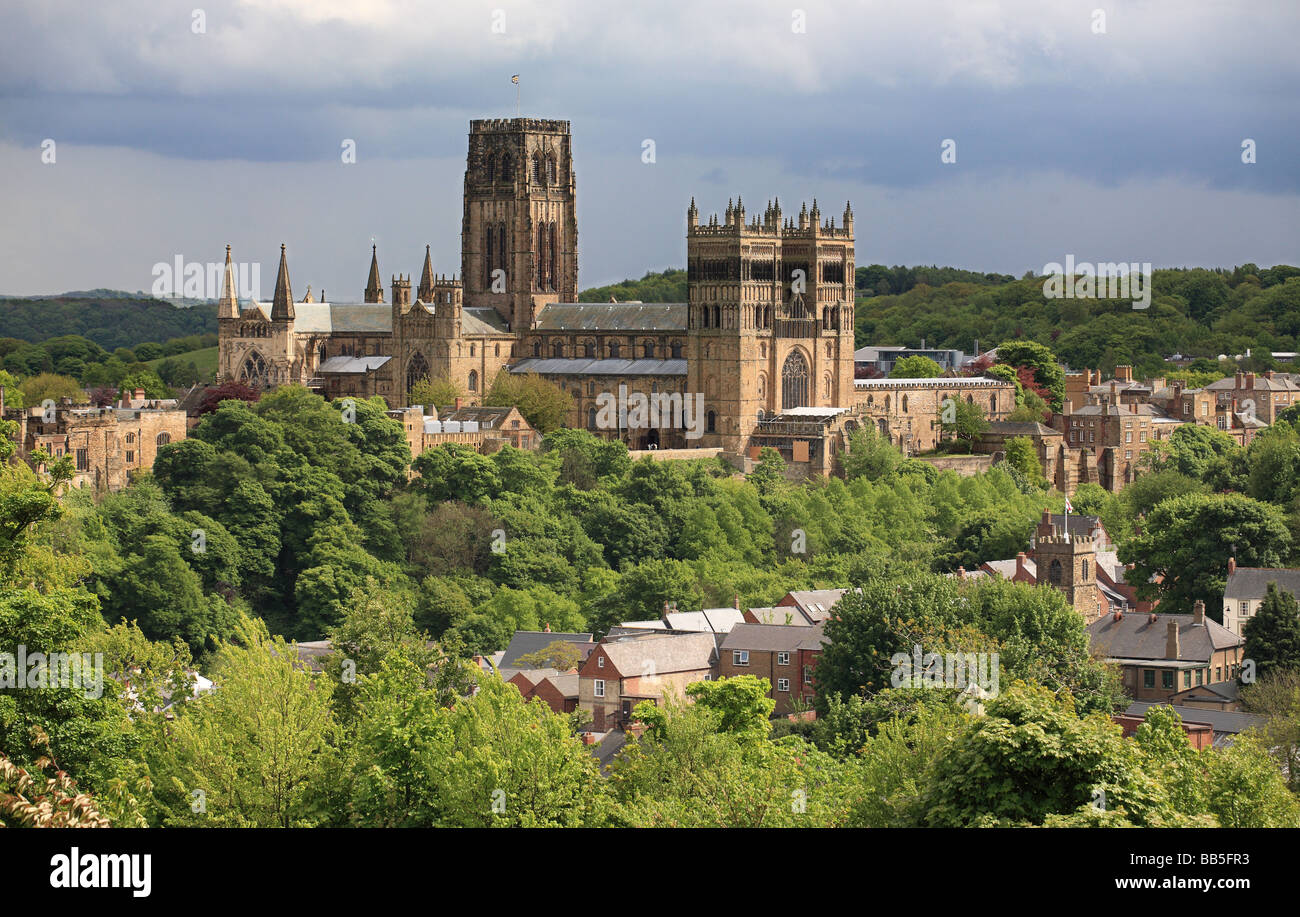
[{"x": 135, "y": 133}]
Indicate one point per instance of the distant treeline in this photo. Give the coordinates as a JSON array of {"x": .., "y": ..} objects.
[
  {"x": 665, "y": 286},
  {"x": 109, "y": 320}
]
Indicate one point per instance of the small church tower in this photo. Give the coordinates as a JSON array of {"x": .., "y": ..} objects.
[{"x": 1069, "y": 563}]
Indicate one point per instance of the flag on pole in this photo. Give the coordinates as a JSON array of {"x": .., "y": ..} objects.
[{"x": 1069, "y": 508}]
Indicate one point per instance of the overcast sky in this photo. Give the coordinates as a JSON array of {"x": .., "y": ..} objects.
[{"x": 173, "y": 137}]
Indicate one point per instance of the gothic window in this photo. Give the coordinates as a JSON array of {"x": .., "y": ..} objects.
[
  {"x": 550, "y": 168},
  {"x": 649, "y": 349},
  {"x": 613, "y": 350},
  {"x": 473, "y": 350},
  {"x": 507, "y": 168},
  {"x": 491, "y": 167},
  {"x": 904, "y": 404},
  {"x": 163, "y": 439},
  {"x": 537, "y": 169},
  {"x": 677, "y": 350},
  {"x": 826, "y": 385},
  {"x": 416, "y": 370},
  {"x": 473, "y": 380},
  {"x": 711, "y": 422},
  {"x": 489, "y": 259},
  {"x": 589, "y": 350},
  {"x": 717, "y": 317},
  {"x": 253, "y": 372},
  {"x": 557, "y": 349},
  {"x": 541, "y": 257},
  {"x": 1084, "y": 570},
  {"x": 551, "y": 261},
  {"x": 591, "y": 418},
  {"x": 794, "y": 381},
  {"x": 591, "y": 388},
  {"x": 1054, "y": 573},
  {"x": 762, "y": 385},
  {"x": 537, "y": 348}
]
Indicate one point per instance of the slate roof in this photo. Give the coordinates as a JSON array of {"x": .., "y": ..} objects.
[
  {"x": 816, "y": 604},
  {"x": 669, "y": 652},
  {"x": 1281, "y": 382},
  {"x": 566, "y": 683},
  {"x": 774, "y": 638},
  {"x": 783, "y": 615},
  {"x": 1142, "y": 636},
  {"x": 580, "y": 366},
  {"x": 486, "y": 417},
  {"x": 1017, "y": 428},
  {"x": 1252, "y": 582},
  {"x": 330, "y": 317},
  {"x": 591, "y": 316},
  {"x": 482, "y": 320},
  {"x": 530, "y": 641},
  {"x": 352, "y": 365},
  {"x": 1223, "y": 722}
]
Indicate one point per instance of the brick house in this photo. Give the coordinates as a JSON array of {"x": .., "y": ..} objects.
[
  {"x": 785, "y": 656},
  {"x": 1160, "y": 655},
  {"x": 558, "y": 690},
  {"x": 625, "y": 669}
]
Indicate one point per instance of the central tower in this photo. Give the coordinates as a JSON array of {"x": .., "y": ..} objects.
[{"x": 519, "y": 233}]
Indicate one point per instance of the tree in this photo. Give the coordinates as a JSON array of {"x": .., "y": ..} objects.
[
  {"x": 870, "y": 455},
  {"x": 741, "y": 703},
  {"x": 962, "y": 419},
  {"x": 916, "y": 367},
  {"x": 1273, "y": 634},
  {"x": 558, "y": 654},
  {"x": 1046, "y": 370},
  {"x": 1186, "y": 541},
  {"x": 252, "y": 752},
  {"x": 230, "y": 389},
  {"x": 435, "y": 392},
  {"x": 544, "y": 405},
  {"x": 1022, "y": 456},
  {"x": 37, "y": 389}
]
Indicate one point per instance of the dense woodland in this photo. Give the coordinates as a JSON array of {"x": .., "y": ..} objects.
[{"x": 310, "y": 528}]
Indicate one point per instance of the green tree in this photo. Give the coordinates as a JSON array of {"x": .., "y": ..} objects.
[
  {"x": 1273, "y": 634},
  {"x": 544, "y": 405},
  {"x": 916, "y": 367}
]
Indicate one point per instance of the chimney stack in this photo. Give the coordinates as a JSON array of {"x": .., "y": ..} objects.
[
  {"x": 1020, "y": 564},
  {"x": 1171, "y": 639},
  {"x": 1198, "y": 613},
  {"x": 458, "y": 404},
  {"x": 1250, "y": 380},
  {"x": 1232, "y": 565}
]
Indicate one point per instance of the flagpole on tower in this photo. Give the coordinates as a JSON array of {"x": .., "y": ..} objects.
[{"x": 515, "y": 79}]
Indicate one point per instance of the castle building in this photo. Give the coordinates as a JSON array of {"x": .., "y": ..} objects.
[{"x": 761, "y": 354}]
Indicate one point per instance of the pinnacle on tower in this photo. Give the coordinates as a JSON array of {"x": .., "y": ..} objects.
[
  {"x": 425, "y": 293},
  {"x": 282, "y": 307},
  {"x": 228, "y": 306},
  {"x": 374, "y": 286}
]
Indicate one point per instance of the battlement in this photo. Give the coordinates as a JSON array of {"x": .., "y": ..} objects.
[
  {"x": 773, "y": 224},
  {"x": 1075, "y": 541},
  {"x": 518, "y": 126}
]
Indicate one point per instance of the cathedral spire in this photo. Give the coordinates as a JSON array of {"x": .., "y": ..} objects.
[
  {"x": 374, "y": 286},
  {"x": 228, "y": 305},
  {"x": 282, "y": 307},
  {"x": 425, "y": 293}
]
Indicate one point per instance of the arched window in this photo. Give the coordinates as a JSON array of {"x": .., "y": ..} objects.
[
  {"x": 473, "y": 350},
  {"x": 589, "y": 349},
  {"x": 613, "y": 350},
  {"x": 677, "y": 350},
  {"x": 163, "y": 439},
  {"x": 649, "y": 348},
  {"x": 491, "y": 167},
  {"x": 489, "y": 256},
  {"x": 496, "y": 350},
  {"x": 1084, "y": 570},
  {"x": 507, "y": 168},
  {"x": 473, "y": 380},
  {"x": 557, "y": 349},
  {"x": 416, "y": 370},
  {"x": 794, "y": 381},
  {"x": 1054, "y": 573},
  {"x": 537, "y": 348},
  {"x": 904, "y": 404},
  {"x": 253, "y": 371},
  {"x": 993, "y": 403},
  {"x": 711, "y": 422},
  {"x": 717, "y": 317},
  {"x": 591, "y": 388},
  {"x": 591, "y": 418},
  {"x": 550, "y": 168},
  {"x": 871, "y": 400},
  {"x": 537, "y": 168}
]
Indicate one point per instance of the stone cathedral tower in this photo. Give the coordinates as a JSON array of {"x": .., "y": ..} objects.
[
  {"x": 519, "y": 233},
  {"x": 770, "y": 318}
]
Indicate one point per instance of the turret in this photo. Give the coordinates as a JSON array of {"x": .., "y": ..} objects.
[
  {"x": 425, "y": 293},
  {"x": 401, "y": 291},
  {"x": 692, "y": 215}
]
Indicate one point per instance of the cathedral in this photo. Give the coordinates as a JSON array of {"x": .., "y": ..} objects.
[{"x": 764, "y": 344}]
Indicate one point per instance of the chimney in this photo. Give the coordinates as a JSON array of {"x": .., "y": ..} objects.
[
  {"x": 1124, "y": 373},
  {"x": 458, "y": 404},
  {"x": 1232, "y": 565},
  {"x": 961, "y": 573},
  {"x": 1171, "y": 639},
  {"x": 1250, "y": 380},
  {"x": 1239, "y": 380},
  {"x": 664, "y": 617},
  {"x": 1198, "y": 613},
  {"x": 1020, "y": 564},
  {"x": 1268, "y": 374},
  {"x": 1133, "y": 407},
  {"x": 546, "y": 628},
  {"x": 1114, "y": 392},
  {"x": 735, "y": 600}
]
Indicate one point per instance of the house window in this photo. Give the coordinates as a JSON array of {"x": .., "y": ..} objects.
[
  {"x": 783, "y": 684},
  {"x": 1167, "y": 680},
  {"x": 740, "y": 657},
  {"x": 1218, "y": 673},
  {"x": 807, "y": 674},
  {"x": 782, "y": 658},
  {"x": 600, "y": 687},
  {"x": 1148, "y": 678},
  {"x": 1187, "y": 679},
  {"x": 600, "y": 662},
  {"x": 1200, "y": 677}
]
